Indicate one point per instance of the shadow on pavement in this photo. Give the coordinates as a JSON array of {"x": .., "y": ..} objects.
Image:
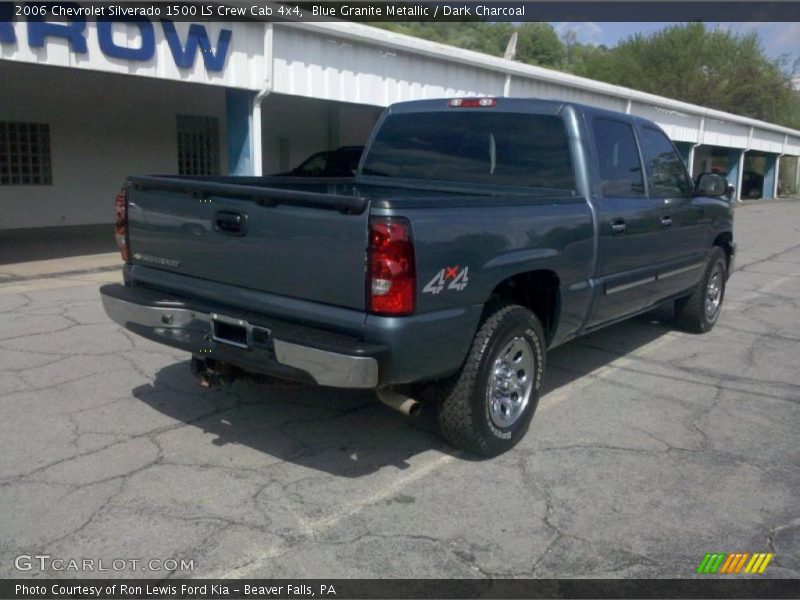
[
  {"x": 26, "y": 245},
  {"x": 580, "y": 357},
  {"x": 349, "y": 433}
]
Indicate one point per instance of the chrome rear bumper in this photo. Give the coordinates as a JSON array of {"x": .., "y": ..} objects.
[{"x": 344, "y": 363}]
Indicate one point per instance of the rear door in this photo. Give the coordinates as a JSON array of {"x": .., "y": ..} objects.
[
  {"x": 684, "y": 229},
  {"x": 627, "y": 220}
]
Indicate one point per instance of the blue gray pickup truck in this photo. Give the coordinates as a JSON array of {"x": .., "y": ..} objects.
[{"x": 476, "y": 234}]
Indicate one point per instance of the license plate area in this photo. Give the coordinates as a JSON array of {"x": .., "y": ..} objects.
[{"x": 234, "y": 332}]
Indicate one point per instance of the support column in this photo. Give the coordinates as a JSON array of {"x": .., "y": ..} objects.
[
  {"x": 238, "y": 109},
  {"x": 770, "y": 177},
  {"x": 797, "y": 175},
  {"x": 690, "y": 162},
  {"x": 735, "y": 169}
]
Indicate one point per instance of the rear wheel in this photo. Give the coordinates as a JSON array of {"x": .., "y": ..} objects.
[
  {"x": 699, "y": 311},
  {"x": 487, "y": 407}
]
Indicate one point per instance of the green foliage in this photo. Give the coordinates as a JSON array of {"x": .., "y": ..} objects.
[
  {"x": 689, "y": 62},
  {"x": 711, "y": 67},
  {"x": 538, "y": 44}
]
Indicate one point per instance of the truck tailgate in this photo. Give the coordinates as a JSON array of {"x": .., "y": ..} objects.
[{"x": 300, "y": 244}]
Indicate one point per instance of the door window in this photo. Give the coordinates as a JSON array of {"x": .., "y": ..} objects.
[
  {"x": 618, "y": 158},
  {"x": 666, "y": 174}
]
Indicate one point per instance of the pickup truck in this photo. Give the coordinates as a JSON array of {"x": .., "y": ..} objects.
[{"x": 476, "y": 234}]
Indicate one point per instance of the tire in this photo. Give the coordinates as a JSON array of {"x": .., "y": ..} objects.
[
  {"x": 698, "y": 312},
  {"x": 467, "y": 417}
]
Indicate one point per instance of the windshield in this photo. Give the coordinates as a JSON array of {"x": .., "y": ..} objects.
[{"x": 513, "y": 149}]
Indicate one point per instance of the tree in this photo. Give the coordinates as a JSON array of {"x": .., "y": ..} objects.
[
  {"x": 711, "y": 67},
  {"x": 689, "y": 62},
  {"x": 538, "y": 44}
]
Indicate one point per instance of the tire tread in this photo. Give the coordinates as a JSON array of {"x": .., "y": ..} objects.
[
  {"x": 455, "y": 393},
  {"x": 690, "y": 311}
]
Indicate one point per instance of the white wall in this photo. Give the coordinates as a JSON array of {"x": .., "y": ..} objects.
[
  {"x": 102, "y": 129},
  {"x": 318, "y": 66},
  {"x": 352, "y": 62},
  {"x": 245, "y": 61},
  {"x": 356, "y": 123},
  {"x": 295, "y": 128}
]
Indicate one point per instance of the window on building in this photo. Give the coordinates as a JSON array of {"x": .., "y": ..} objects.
[
  {"x": 618, "y": 157},
  {"x": 25, "y": 154},
  {"x": 198, "y": 145},
  {"x": 665, "y": 171}
]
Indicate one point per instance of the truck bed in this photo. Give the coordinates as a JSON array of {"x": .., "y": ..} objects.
[{"x": 301, "y": 238}]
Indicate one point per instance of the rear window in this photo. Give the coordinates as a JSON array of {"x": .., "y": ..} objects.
[{"x": 514, "y": 149}]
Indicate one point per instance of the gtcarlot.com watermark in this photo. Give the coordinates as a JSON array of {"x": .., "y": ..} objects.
[{"x": 47, "y": 562}]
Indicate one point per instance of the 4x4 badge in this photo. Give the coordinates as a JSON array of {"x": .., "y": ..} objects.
[{"x": 458, "y": 278}]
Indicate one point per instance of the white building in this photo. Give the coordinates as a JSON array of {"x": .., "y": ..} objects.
[{"x": 83, "y": 105}]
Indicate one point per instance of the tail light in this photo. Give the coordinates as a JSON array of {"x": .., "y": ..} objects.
[
  {"x": 391, "y": 283},
  {"x": 121, "y": 226}
]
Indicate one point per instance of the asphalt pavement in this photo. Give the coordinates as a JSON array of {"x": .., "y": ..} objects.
[{"x": 650, "y": 448}]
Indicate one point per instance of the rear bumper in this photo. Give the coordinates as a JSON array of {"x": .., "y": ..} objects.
[{"x": 265, "y": 346}]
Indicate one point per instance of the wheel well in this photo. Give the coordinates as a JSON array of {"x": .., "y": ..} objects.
[
  {"x": 537, "y": 291},
  {"x": 724, "y": 241}
]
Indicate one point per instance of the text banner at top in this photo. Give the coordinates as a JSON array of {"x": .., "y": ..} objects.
[{"x": 414, "y": 11}]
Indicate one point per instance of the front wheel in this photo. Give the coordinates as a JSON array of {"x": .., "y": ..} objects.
[
  {"x": 699, "y": 311},
  {"x": 487, "y": 407}
]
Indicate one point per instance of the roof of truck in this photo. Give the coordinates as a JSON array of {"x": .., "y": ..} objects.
[{"x": 539, "y": 106}]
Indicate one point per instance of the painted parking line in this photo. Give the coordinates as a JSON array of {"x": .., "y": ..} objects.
[
  {"x": 738, "y": 303},
  {"x": 311, "y": 529}
]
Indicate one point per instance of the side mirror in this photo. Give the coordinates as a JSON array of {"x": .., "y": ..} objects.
[{"x": 714, "y": 185}]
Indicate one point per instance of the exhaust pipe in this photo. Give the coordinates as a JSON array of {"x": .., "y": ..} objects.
[
  {"x": 213, "y": 373},
  {"x": 399, "y": 402}
]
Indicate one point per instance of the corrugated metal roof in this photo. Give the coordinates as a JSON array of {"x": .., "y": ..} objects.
[
  {"x": 399, "y": 67},
  {"x": 351, "y": 62}
]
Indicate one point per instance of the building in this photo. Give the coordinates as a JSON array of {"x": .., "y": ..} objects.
[{"x": 83, "y": 104}]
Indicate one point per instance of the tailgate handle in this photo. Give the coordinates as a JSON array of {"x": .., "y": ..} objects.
[{"x": 230, "y": 223}]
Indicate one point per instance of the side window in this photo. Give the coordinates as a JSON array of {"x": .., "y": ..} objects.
[
  {"x": 316, "y": 164},
  {"x": 618, "y": 157},
  {"x": 666, "y": 174}
]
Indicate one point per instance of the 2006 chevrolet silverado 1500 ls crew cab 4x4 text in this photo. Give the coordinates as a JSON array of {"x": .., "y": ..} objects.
[{"x": 477, "y": 233}]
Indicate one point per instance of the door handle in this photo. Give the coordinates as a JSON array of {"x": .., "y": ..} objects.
[
  {"x": 230, "y": 223},
  {"x": 618, "y": 227},
  {"x": 666, "y": 221}
]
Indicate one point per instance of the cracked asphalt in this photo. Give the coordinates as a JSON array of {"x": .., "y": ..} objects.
[{"x": 650, "y": 448}]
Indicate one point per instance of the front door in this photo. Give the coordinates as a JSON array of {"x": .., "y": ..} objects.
[{"x": 683, "y": 241}]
